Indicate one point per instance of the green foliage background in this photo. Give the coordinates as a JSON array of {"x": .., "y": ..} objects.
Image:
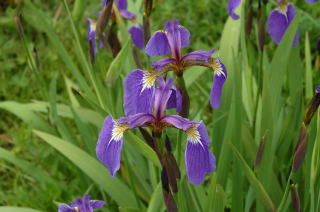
[{"x": 53, "y": 103}]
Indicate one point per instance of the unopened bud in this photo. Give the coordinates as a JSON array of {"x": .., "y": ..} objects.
[
  {"x": 261, "y": 148},
  {"x": 312, "y": 107},
  {"x": 104, "y": 18},
  {"x": 249, "y": 21},
  {"x": 301, "y": 148},
  {"x": 167, "y": 195},
  {"x": 295, "y": 198}
]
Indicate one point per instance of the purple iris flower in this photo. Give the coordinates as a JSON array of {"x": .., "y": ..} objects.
[
  {"x": 137, "y": 36},
  {"x": 198, "y": 158},
  {"x": 92, "y": 25},
  {"x": 279, "y": 21},
  {"x": 81, "y": 205},
  {"x": 232, "y": 6},
  {"x": 122, "y": 7},
  {"x": 172, "y": 40},
  {"x": 311, "y": 1}
]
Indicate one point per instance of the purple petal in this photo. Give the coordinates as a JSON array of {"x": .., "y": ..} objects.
[
  {"x": 220, "y": 76},
  {"x": 103, "y": 3},
  {"x": 185, "y": 36},
  {"x": 158, "y": 45},
  {"x": 159, "y": 64},
  {"x": 136, "y": 100},
  {"x": 139, "y": 119},
  {"x": 178, "y": 122},
  {"x": 95, "y": 204},
  {"x": 174, "y": 37},
  {"x": 136, "y": 33},
  {"x": 127, "y": 15},
  {"x": 311, "y": 1},
  {"x": 198, "y": 158},
  {"x": 85, "y": 204},
  {"x": 318, "y": 89},
  {"x": 108, "y": 149},
  {"x": 199, "y": 55},
  {"x": 162, "y": 95},
  {"x": 175, "y": 100},
  {"x": 65, "y": 208},
  {"x": 121, "y": 4},
  {"x": 232, "y": 6}
]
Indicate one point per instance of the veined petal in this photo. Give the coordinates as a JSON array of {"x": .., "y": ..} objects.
[
  {"x": 127, "y": 15},
  {"x": 95, "y": 204},
  {"x": 178, "y": 122},
  {"x": 199, "y": 55},
  {"x": 65, "y": 208},
  {"x": 159, "y": 64},
  {"x": 85, "y": 204},
  {"x": 162, "y": 95},
  {"x": 232, "y": 6},
  {"x": 185, "y": 36},
  {"x": 172, "y": 29},
  {"x": 136, "y": 33},
  {"x": 138, "y": 92},
  {"x": 157, "y": 45},
  {"x": 198, "y": 158},
  {"x": 220, "y": 76},
  {"x": 139, "y": 119},
  {"x": 109, "y": 144},
  {"x": 175, "y": 100}
]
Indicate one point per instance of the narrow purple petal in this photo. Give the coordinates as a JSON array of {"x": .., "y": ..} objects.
[
  {"x": 92, "y": 35},
  {"x": 159, "y": 64},
  {"x": 108, "y": 148},
  {"x": 185, "y": 36},
  {"x": 178, "y": 122},
  {"x": 139, "y": 119},
  {"x": 174, "y": 37},
  {"x": 136, "y": 33},
  {"x": 85, "y": 205},
  {"x": 198, "y": 158},
  {"x": 95, "y": 204},
  {"x": 311, "y": 1},
  {"x": 127, "y": 15},
  {"x": 158, "y": 45},
  {"x": 65, "y": 208},
  {"x": 199, "y": 55},
  {"x": 162, "y": 95},
  {"x": 318, "y": 89},
  {"x": 220, "y": 76},
  {"x": 175, "y": 100},
  {"x": 232, "y": 6},
  {"x": 136, "y": 100}
]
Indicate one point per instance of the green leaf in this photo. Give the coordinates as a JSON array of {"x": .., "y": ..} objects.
[
  {"x": 16, "y": 209},
  {"x": 93, "y": 169},
  {"x": 155, "y": 204}
]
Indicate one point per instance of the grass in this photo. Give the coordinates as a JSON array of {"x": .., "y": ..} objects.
[{"x": 52, "y": 110}]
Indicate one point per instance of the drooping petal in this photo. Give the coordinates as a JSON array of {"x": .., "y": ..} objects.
[
  {"x": 175, "y": 100},
  {"x": 138, "y": 92},
  {"x": 121, "y": 4},
  {"x": 109, "y": 144},
  {"x": 136, "y": 33},
  {"x": 199, "y": 55},
  {"x": 198, "y": 158},
  {"x": 65, "y": 208},
  {"x": 139, "y": 119},
  {"x": 174, "y": 37},
  {"x": 232, "y": 6},
  {"x": 127, "y": 15},
  {"x": 178, "y": 122},
  {"x": 311, "y": 1},
  {"x": 159, "y": 64},
  {"x": 162, "y": 95},
  {"x": 220, "y": 76},
  {"x": 95, "y": 204},
  {"x": 157, "y": 45}
]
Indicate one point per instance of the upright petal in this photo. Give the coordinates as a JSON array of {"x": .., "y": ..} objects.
[
  {"x": 138, "y": 92},
  {"x": 199, "y": 55},
  {"x": 109, "y": 144},
  {"x": 158, "y": 45},
  {"x": 198, "y": 158},
  {"x": 220, "y": 76},
  {"x": 85, "y": 204},
  {"x": 175, "y": 100},
  {"x": 136, "y": 33},
  {"x": 185, "y": 36},
  {"x": 95, "y": 204},
  {"x": 121, "y": 4},
  {"x": 162, "y": 95},
  {"x": 174, "y": 37},
  {"x": 159, "y": 64},
  {"x": 232, "y": 6}
]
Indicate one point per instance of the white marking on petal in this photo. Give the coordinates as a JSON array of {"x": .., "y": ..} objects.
[
  {"x": 217, "y": 67},
  {"x": 283, "y": 9},
  {"x": 148, "y": 79},
  {"x": 118, "y": 130},
  {"x": 194, "y": 135}
]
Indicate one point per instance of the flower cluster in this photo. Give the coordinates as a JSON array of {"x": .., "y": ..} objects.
[{"x": 81, "y": 205}]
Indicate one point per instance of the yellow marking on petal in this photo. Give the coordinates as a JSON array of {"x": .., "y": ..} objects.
[
  {"x": 118, "y": 130},
  {"x": 283, "y": 8},
  {"x": 149, "y": 77},
  {"x": 217, "y": 67},
  {"x": 193, "y": 134}
]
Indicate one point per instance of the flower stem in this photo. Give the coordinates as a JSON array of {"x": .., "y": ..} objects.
[{"x": 180, "y": 84}]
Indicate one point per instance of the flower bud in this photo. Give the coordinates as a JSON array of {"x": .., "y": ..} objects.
[
  {"x": 295, "y": 198},
  {"x": 312, "y": 107},
  {"x": 249, "y": 20},
  {"x": 301, "y": 148},
  {"x": 104, "y": 18},
  {"x": 261, "y": 148}
]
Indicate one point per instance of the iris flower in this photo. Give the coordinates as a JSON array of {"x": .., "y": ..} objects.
[
  {"x": 199, "y": 160},
  {"x": 122, "y": 6},
  {"x": 92, "y": 25},
  {"x": 279, "y": 21},
  {"x": 171, "y": 41},
  {"x": 136, "y": 33},
  {"x": 81, "y": 205},
  {"x": 232, "y": 6}
]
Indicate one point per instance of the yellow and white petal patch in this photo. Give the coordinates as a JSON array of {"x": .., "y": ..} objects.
[
  {"x": 149, "y": 77},
  {"x": 217, "y": 67},
  {"x": 118, "y": 130},
  {"x": 283, "y": 8},
  {"x": 193, "y": 134}
]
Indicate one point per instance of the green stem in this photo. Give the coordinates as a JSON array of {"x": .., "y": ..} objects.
[
  {"x": 180, "y": 84},
  {"x": 285, "y": 195}
]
